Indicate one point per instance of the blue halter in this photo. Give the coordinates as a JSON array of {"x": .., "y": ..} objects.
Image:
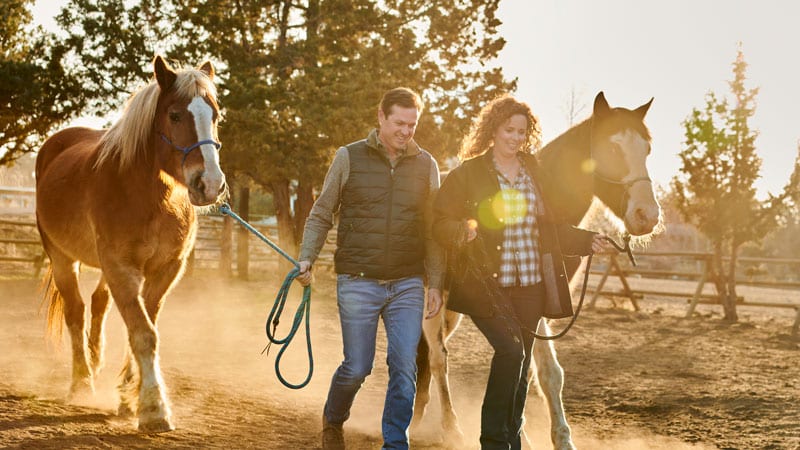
[{"x": 186, "y": 150}]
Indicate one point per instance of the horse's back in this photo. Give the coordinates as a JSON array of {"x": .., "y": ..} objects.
[
  {"x": 63, "y": 184},
  {"x": 78, "y": 139}
]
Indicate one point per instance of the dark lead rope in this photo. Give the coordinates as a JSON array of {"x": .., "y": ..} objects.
[
  {"x": 626, "y": 248},
  {"x": 304, "y": 309}
]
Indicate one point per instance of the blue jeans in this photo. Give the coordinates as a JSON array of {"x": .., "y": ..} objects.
[
  {"x": 510, "y": 333},
  {"x": 362, "y": 301}
]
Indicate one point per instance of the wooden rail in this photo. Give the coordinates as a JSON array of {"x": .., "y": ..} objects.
[
  {"x": 33, "y": 244},
  {"x": 703, "y": 276}
]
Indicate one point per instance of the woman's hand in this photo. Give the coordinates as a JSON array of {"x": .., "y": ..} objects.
[
  {"x": 600, "y": 244},
  {"x": 472, "y": 230}
]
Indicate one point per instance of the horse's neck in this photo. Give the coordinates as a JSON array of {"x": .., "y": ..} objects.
[
  {"x": 150, "y": 180},
  {"x": 562, "y": 160}
]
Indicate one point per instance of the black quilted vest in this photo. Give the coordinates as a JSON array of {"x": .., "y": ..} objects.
[{"x": 381, "y": 232}]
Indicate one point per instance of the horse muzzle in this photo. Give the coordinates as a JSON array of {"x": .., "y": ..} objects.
[
  {"x": 640, "y": 221},
  {"x": 205, "y": 190}
]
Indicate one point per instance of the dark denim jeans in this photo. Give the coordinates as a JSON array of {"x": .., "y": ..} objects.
[
  {"x": 362, "y": 302},
  {"x": 510, "y": 333}
]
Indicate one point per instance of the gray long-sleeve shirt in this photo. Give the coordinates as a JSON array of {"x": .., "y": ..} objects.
[{"x": 321, "y": 218}]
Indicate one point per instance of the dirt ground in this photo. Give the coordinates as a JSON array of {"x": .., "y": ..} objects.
[{"x": 634, "y": 380}]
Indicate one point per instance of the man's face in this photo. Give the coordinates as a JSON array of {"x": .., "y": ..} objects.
[{"x": 397, "y": 128}]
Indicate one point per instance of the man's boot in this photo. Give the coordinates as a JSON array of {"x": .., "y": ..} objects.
[{"x": 332, "y": 435}]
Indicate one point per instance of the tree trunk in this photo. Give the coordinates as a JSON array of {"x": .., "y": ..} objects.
[
  {"x": 719, "y": 275},
  {"x": 243, "y": 236},
  {"x": 286, "y": 232},
  {"x": 730, "y": 305},
  {"x": 302, "y": 207}
]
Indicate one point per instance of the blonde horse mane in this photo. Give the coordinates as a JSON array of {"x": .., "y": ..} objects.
[{"x": 127, "y": 138}]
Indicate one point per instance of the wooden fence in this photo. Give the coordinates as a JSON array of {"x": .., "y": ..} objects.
[
  {"x": 216, "y": 238},
  {"x": 21, "y": 247},
  {"x": 699, "y": 271}
]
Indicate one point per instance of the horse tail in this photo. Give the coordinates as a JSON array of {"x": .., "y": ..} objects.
[{"x": 55, "y": 306}]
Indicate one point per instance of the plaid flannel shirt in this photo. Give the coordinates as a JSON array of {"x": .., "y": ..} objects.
[{"x": 519, "y": 261}]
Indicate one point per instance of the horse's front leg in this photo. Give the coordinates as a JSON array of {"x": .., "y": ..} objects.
[
  {"x": 551, "y": 380},
  {"x": 125, "y": 282}
]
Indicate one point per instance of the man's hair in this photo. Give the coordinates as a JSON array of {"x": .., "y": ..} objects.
[{"x": 403, "y": 97}]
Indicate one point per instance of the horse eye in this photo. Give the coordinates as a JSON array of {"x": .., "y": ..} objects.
[{"x": 175, "y": 117}]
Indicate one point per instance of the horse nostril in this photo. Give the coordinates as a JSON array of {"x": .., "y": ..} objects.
[
  {"x": 640, "y": 215},
  {"x": 197, "y": 183}
]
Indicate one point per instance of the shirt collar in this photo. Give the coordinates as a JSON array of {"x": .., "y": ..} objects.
[{"x": 372, "y": 140}]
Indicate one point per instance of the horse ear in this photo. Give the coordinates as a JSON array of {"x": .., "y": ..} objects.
[
  {"x": 164, "y": 73},
  {"x": 642, "y": 110},
  {"x": 601, "y": 107},
  {"x": 208, "y": 69}
]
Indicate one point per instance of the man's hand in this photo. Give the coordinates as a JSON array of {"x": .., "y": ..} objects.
[
  {"x": 304, "y": 277},
  {"x": 434, "y": 303}
]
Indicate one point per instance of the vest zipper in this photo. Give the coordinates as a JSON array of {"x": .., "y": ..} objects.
[{"x": 389, "y": 219}]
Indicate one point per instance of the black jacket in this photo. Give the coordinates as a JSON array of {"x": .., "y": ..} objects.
[{"x": 467, "y": 193}]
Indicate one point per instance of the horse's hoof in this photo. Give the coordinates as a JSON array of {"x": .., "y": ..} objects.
[
  {"x": 454, "y": 439},
  {"x": 124, "y": 411},
  {"x": 81, "y": 391},
  {"x": 161, "y": 425}
]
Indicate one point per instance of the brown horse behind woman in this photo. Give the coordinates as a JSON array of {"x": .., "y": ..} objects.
[
  {"x": 123, "y": 200},
  {"x": 604, "y": 157}
]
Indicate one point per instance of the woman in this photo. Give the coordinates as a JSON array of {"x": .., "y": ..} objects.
[{"x": 505, "y": 254}]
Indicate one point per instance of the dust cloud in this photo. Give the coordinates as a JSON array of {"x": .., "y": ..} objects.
[{"x": 224, "y": 392}]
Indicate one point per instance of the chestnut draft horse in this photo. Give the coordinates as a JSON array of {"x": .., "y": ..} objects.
[
  {"x": 604, "y": 157},
  {"x": 122, "y": 200}
]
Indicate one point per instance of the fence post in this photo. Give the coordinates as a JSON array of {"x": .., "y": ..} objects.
[
  {"x": 699, "y": 290},
  {"x": 625, "y": 286},
  {"x": 243, "y": 236},
  {"x": 602, "y": 282},
  {"x": 226, "y": 247}
]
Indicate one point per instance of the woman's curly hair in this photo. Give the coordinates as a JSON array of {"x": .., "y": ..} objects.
[{"x": 494, "y": 115}]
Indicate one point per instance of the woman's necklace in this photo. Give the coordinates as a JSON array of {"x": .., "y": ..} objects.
[{"x": 509, "y": 170}]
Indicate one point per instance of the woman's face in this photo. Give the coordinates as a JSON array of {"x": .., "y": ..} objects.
[{"x": 509, "y": 137}]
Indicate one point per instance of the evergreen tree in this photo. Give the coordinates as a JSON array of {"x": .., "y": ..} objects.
[
  {"x": 36, "y": 92},
  {"x": 300, "y": 78},
  {"x": 715, "y": 190}
]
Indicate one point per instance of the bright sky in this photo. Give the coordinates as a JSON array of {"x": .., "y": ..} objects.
[{"x": 675, "y": 51}]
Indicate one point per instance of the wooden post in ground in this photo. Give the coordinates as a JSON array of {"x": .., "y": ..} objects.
[
  {"x": 243, "y": 236},
  {"x": 602, "y": 283},
  {"x": 625, "y": 287},
  {"x": 226, "y": 247},
  {"x": 699, "y": 290}
]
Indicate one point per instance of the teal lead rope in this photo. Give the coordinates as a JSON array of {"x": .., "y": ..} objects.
[{"x": 277, "y": 308}]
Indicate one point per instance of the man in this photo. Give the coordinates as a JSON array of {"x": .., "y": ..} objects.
[{"x": 383, "y": 189}]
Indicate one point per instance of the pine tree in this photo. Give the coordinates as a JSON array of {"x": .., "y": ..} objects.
[
  {"x": 300, "y": 78},
  {"x": 715, "y": 191},
  {"x": 36, "y": 92}
]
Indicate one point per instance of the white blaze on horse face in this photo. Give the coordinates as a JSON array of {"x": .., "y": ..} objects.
[
  {"x": 642, "y": 212},
  {"x": 203, "y": 122}
]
